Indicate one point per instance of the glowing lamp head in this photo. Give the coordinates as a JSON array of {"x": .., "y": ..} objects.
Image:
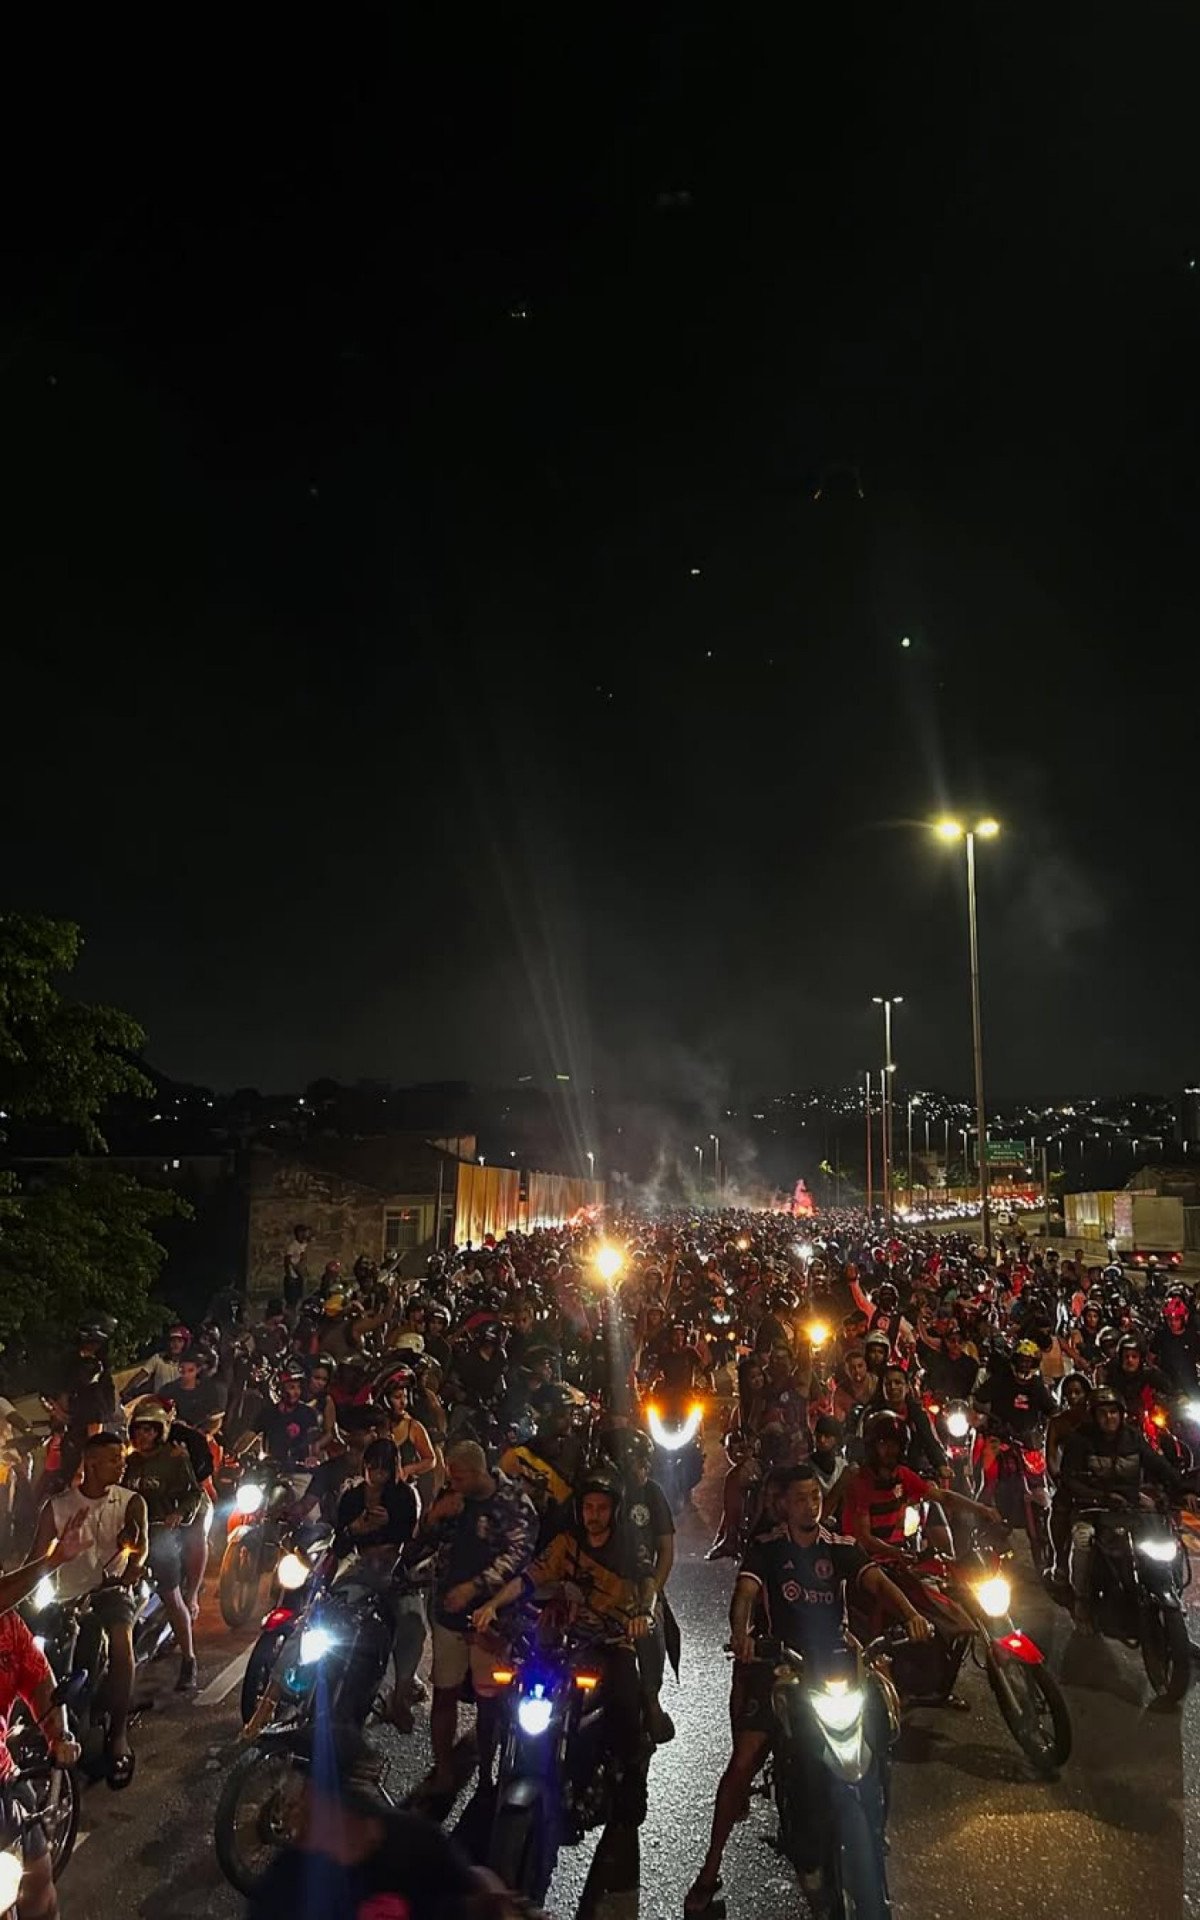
[
  {"x": 948, "y": 829},
  {"x": 315, "y": 1643},
  {"x": 987, "y": 829},
  {"x": 994, "y": 1596},
  {"x": 818, "y": 1333},
  {"x": 249, "y": 1497},
  {"x": 609, "y": 1262},
  {"x": 535, "y": 1712},
  {"x": 292, "y": 1572},
  {"x": 958, "y": 1423}
]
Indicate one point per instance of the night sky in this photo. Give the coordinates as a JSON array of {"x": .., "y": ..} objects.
[{"x": 444, "y": 633}]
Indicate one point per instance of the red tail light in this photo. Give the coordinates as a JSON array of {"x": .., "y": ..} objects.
[
  {"x": 278, "y": 1617},
  {"x": 1036, "y": 1462}
]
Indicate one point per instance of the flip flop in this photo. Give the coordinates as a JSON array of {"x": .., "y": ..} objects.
[{"x": 120, "y": 1771}]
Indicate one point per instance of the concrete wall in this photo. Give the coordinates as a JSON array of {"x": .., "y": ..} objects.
[{"x": 347, "y": 1214}]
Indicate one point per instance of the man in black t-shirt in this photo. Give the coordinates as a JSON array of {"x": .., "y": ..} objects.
[
  {"x": 198, "y": 1398},
  {"x": 651, "y": 1528},
  {"x": 800, "y": 1575},
  {"x": 289, "y": 1430}
]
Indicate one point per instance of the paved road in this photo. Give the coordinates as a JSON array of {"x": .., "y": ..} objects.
[{"x": 972, "y": 1831}]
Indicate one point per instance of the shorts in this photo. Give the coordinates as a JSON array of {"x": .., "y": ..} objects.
[
  {"x": 751, "y": 1709},
  {"x": 166, "y": 1557},
  {"x": 457, "y": 1654}
]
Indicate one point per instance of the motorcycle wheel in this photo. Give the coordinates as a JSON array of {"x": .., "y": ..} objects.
[
  {"x": 1034, "y": 1710},
  {"x": 860, "y": 1864},
  {"x": 58, "y": 1805},
  {"x": 522, "y": 1853},
  {"x": 255, "y": 1816},
  {"x": 1039, "y": 1541},
  {"x": 258, "y": 1673},
  {"x": 1166, "y": 1652},
  {"x": 241, "y": 1571}
]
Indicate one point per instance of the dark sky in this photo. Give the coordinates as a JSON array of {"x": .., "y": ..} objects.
[{"x": 369, "y": 398}]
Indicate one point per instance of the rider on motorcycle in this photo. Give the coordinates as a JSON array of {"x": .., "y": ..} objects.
[
  {"x": 1104, "y": 1464},
  {"x": 802, "y": 1574},
  {"x": 592, "y": 1570},
  {"x": 162, "y": 1474},
  {"x": 877, "y": 1498}
]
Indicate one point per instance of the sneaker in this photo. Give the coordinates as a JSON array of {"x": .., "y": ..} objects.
[{"x": 186, "y": 1682}]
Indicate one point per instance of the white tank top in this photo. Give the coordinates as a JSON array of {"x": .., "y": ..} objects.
[{"x": 101, "y": 1532}]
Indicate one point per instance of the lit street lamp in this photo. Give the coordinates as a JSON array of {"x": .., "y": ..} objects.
[
  {"x": 716, "y": 1165},
  {"x": 889, "y": 1068},
  {"x": 591, "y": 1160},
  {"x": 982, "y": 830},
  {"x": 914, "y": 1100}
]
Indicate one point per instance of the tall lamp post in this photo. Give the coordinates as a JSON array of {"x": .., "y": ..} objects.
[
  {"x": 867, "y": 1111},
  {"x": 982, "y": 830},
  {"x": 914, "y": 1100},
  {"x": 716, "y": 1144},
  {"x": 889, "y": 1069}
]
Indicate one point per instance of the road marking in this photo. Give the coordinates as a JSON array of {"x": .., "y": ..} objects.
[{"x": 225, "y": 1682}]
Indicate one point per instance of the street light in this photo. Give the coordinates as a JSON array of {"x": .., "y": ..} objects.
[
  {"x": 699, "y": 1153},
  {"x": 914, "y": 1100},
  {"x": 591, "y": 1160},
  {"x": 889, "y": 1068},
  {"x": 716, "y": 1165},
  {"x": 986, "y": 829}
]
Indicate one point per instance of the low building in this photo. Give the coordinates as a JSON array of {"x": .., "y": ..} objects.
[{"x": 395, "y": 1193}]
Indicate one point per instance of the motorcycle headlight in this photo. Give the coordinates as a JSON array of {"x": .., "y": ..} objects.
[
  {"x": 994, "y": 1595},
  {"x": 293, "y": 1570},
  {"x": 535, "y": 1712},
  {"x": 912, "y": 1522},
  {"x": 672, "y": 1440},
  {"x": 1163, "y": 1551},
  {"x": 249, "y": 1497},
  {"x": 12, "y": 1866},
  {"x": 315, "y": 1643},
  {"x": 1193, "y": 1409},
  {"x": 837, "y": 1706},
  {"x": 43, "y": 1595},
  {"x": 958, "y": 1424}
]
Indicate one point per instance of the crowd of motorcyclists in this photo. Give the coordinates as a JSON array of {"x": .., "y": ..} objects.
[{"x": 487, "y": 1458}]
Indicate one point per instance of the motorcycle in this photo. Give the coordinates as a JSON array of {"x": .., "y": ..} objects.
[
  {"x": 953, "y": 1424},
  {"x": 38, "y": 1789},
  {"x": 303, "y": 1564},
  {"x": 256, "y": 1525},
  {"x": 333, "y": 1661},
  {"x": 1139, "y": 1570},
  {"x": 829, "y": 1772},
  {"x": 558, "y": 1777},
  {"x": 970, "y": 1602},
  {"x": 677, "y": 1430},
  {"x": 1020, "y": 1490},
  {"x": 75, "y": 1642}
]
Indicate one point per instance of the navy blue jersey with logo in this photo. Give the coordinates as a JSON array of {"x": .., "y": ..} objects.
[{"x": 805, "y": 1587}]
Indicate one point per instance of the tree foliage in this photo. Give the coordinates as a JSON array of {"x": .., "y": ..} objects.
[{"x": 76, "y": 1238}]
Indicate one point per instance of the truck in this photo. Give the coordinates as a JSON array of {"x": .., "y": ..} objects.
[{"x": 1133, "y": 1226}]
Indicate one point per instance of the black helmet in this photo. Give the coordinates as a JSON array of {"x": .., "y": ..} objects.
[
  {"x": 600, "y": 1478},
  {"x": 490, "y": 1333},
  {"x": 887, "y": 1296},
  {"x": 102, "y": 1326},
  {"x": 881, "y": 1426},
  {"x": 396, "y": 1378},
  {"x": 1106, "y": 1397},
  {"x": 640, "y": 1446},
  {"x": 1130, "y": 1343}
]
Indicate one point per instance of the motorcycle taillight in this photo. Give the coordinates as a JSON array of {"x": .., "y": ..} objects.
[{"x": 1035, "y": 1462}]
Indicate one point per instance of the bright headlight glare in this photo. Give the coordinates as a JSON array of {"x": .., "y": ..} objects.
[
  {"x": 958, "y": 1424},
  {"x": 838, "y": 1711},
  {"x": 994, "y": 1595},
  {"x": 672, "y": 1440},
  {"x": 1193, "y": 1409},
  {"x": 535, "y": 1713},
  {"x": 250, "y": 1497},
  {"x": 1161, "y": 1550},
  {"x": 292, "y": 1572},
  {"x": 315, "y": 1643},
  {"x": 43, "y": 1595},
  {"x": 12, "y": 1867},
  {"x": 912, "y": 1522}
]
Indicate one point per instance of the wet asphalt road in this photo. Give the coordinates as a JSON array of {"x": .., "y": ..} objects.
[{"x": 973, "y": 1831}]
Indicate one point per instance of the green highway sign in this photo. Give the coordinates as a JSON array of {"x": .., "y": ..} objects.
[{"x": 1006, "y": 1153}]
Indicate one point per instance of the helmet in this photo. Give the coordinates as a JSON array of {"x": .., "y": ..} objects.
[
  {"x": 883, "y": 1425},
  {"x": 295, "y": 1370},
  {"x": 640, "y": 1446},
  {"x": 1130, "y": 1343},
  {"x": 489, "y": 1333},
  {"x": 878, "y": 1338},
  {"x": 327, "y": 1361},
  {"x": 436, "y": 1311},
  {"x": 101, "y": 1327},
  {"x": 1026, "y": 1357},
  {"x": 887, "y": 1296},
  {"x": 1106, "y": 1397},
  {"x": 149, "y": 1411},
  {"x": 600, "y": 1478},
  {"x": 335, "y": 1303},
  {"x": 395, "y": 1380},
  {"x": 180, "y": 1332},
  {"x": 1175, "y": 1312},
  {"x": 408, "y": 1343}
]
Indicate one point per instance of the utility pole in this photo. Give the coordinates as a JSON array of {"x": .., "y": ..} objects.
[{"x": 870, "y": 1195}]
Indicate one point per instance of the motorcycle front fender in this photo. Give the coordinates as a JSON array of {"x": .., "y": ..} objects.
[
  {"x": 1018, "y": 1646},
  {"x": 242, "y": 1530},
  {"x": 523, "y": 1791}
]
